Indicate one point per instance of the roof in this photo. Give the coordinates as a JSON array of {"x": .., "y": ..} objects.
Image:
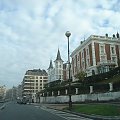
[
  {"x": 36, "y": 72},
  {"x": 95, "y": 38},
  {"x": 51, "y": 65},
  {"x": 58, "y": 56}
]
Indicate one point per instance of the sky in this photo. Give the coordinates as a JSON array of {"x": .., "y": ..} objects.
[{"x": 31, "y": 31}]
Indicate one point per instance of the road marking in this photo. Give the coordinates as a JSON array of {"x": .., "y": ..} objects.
[{"x": 65, "y": 115}]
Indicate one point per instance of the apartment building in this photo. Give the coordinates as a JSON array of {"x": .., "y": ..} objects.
[
  {"x": 33, "y": 82},
  {"x": 97, "y": 54}
]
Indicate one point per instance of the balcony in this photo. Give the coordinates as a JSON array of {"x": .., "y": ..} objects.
[{"x": 107, "y": 63}]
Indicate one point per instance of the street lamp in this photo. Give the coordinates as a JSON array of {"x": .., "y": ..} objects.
[{"x": 70, "y": 101}]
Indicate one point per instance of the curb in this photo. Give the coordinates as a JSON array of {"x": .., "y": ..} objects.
[{"x": 2, "y": 107}]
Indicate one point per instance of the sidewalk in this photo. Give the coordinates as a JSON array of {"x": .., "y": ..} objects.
[{"x": 2, "y": 105}]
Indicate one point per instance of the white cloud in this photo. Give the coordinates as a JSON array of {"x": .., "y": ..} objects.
[{"x": 32, "y": 30}]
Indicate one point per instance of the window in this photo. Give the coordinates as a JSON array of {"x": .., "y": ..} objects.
[
  {"x": 102, "y": 58},
  {"x": 88, "y": 62},
  {"x": 114, "y": 59},
  {"x": 113, "y": 50},
  {"x": 78, "y": 57},
  {"x": 59, "y": 76},
  {"x": 87, "y": 52},
  {"x": 59, "y": 71},
  {"x": 44, "y": 77},
  {"x": 102, "y": 49},
  {"x": 45, "y": 80},
  {"x": 40, "y": 77},
  {"x": 36, "y": 77},
  {"x": 82, "y": 55}
]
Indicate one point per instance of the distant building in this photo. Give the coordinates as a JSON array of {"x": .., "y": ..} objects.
[
  {"x": 56, "y": 73},
  {"x": 97, "y": 54},
  {"x": 2, "y": 92},
  {"x": 9, "y": 94},
  {"x": 33, "y": 82},
  {"x": 19, "y": 91}
]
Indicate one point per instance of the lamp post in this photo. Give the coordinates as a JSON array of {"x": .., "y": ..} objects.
[{"x": 70, "y": 101}]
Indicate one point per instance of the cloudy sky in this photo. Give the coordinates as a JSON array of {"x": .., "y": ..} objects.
[{"x": 32, "y": 30}]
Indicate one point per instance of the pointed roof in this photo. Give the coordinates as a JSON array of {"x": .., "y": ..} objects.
[
  {"x": 117, "y": 35},
  {"x": 51, "y": 65},
  {"x": 58, "y": 56}
]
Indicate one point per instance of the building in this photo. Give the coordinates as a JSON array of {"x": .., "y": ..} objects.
[
  {"x": 19, "y": 91},
  {"x": 33, "y": 82},
  {"x": 56, "y": 73},
  {"x": 9, "y": 94},
  {"x": 97, "y": 54},
  {"x": 2, "y": 92}
]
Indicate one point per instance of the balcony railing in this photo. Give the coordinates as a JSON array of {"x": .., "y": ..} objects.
[{"x": 108, "y": 62}]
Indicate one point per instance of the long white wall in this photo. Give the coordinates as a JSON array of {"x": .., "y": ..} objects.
[{"x": 82, "y": 98}]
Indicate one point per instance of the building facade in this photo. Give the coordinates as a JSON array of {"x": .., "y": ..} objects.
[
  {"x": 33, "y": 82},
  {"x": 97, "y": 54},
  {"x": 2, "y": 92},
  {"x": 56, "y": 72}
]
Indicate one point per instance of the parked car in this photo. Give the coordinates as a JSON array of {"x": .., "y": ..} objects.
[{"x": 22, "y": 100}]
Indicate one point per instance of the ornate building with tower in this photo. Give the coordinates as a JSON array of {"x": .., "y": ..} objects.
[{"x": 56, "y": 72}]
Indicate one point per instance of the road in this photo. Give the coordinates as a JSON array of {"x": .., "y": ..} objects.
[
  {"x": 1, "y": 104},
  {"x": 14, "y": 111}
]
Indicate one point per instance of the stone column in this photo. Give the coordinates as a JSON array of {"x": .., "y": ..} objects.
[
  {"x": 91, "y": 89},
  {"x": 66, "y": 91},
  {"x": 47, "y": 93},
  {"x": 111, "y": 87},
  {"x": 43, "y": 94},
  {"x": 58, "y": 92},
  {"x": 76, "y": 90},
  {"x": 52, "y": 93}
]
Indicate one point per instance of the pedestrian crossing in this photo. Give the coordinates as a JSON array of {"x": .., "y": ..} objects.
[{"x": 65, "y": 115}]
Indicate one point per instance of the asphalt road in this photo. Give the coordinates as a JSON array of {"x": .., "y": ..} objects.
[
  {"x": 14, "y": 111},
  {"x": 1, "y": 104}
]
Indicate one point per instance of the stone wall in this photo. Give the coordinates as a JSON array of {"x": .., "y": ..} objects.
[{"x": 82, "y": 98}]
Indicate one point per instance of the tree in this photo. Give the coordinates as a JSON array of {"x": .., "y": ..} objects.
[{"x": 81, "y": 75}]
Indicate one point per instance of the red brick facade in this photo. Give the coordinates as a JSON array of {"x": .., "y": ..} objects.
[
  {"x": 97, "y": 54},
  {"x": 107, "y": 51},
  {"x": 90, "y": 53}
]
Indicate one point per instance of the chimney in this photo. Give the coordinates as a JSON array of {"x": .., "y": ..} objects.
[
  {"x": 113, "y": 35},
  {"x": 106, "y": 35},
  {"x": 117, "y": 35}
]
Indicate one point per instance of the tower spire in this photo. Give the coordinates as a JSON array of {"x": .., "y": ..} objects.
[
  {"x": 51, "y": 65},
  {"x": 58, "y": 55}
]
